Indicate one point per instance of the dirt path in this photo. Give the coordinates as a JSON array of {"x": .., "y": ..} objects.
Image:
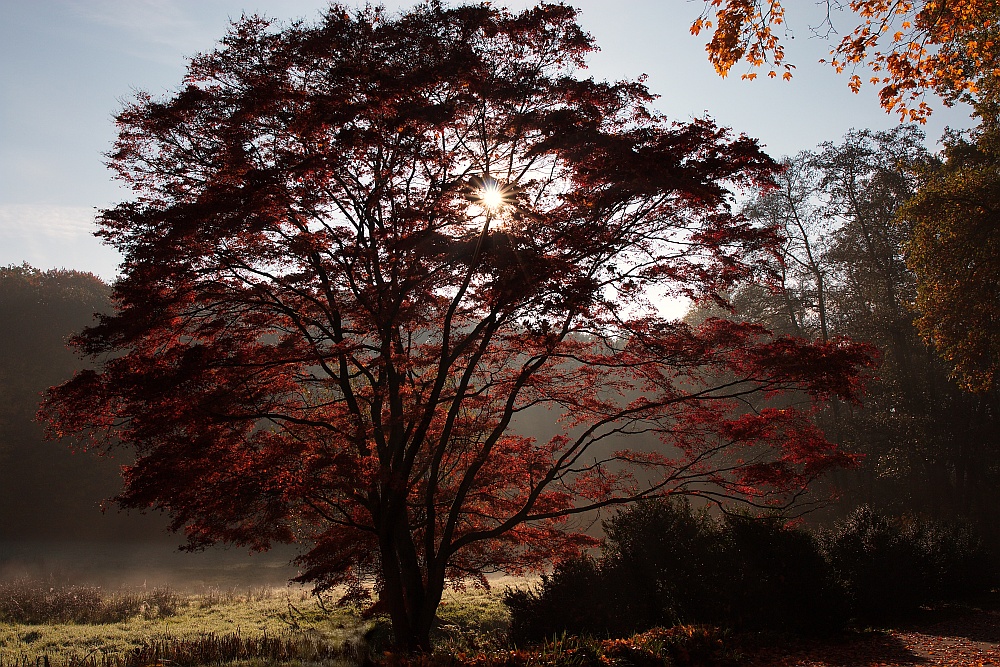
[{"x": 961, "y": 639}]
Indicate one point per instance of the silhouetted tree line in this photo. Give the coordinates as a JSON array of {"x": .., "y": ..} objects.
[
  {"x": 48, "y": 491},
  {"x": 929, "y": 445}
]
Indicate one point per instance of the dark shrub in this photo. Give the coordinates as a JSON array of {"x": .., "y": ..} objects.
[
  {"x": 573, "y": 599},
  {"x": 959, "y": 565},
  {"x": 779, "y": 579},
  {"x": 876, "y": 560},
  {"x": 666, "y": 563},
  {"x": 680, "y": 565},
  {"x": 669, "y": 562},
  {"x": 891, "y": 566}
]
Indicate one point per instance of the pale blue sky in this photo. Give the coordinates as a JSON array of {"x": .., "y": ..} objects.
[{"x": 66, "y": 64}]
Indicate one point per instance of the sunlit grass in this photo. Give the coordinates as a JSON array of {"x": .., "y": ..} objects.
[
  {"x": 475, "y": 619},
  {"x": 251, "y": 613},
  {"x": 470, "y": 620}
]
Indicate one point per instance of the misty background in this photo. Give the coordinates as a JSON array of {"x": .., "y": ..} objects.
[{"x": 54, "y": 524}]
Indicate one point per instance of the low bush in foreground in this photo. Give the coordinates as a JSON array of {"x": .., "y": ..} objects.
[{"x": 680, "y": 646}]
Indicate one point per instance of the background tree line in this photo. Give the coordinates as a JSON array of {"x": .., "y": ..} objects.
[
  {"x": 929, "y": 441},
  {"x": 46, "y": 490}
]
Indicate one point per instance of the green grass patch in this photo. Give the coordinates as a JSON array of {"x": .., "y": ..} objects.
[
  {"x": 474, "y": 619},
  {"x": 213, "y": 627}
]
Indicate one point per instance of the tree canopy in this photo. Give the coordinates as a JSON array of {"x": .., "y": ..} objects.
[
  {"x": 954, "y": 251},
  {"x": 950, "y": 47},
  {"x": 360, "y": 250}
]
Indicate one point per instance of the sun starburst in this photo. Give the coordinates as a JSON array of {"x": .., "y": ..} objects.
[{"x": 490, "y": 194}]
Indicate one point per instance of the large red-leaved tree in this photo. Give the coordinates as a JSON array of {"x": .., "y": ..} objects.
[{"x": 361, "y": 250}]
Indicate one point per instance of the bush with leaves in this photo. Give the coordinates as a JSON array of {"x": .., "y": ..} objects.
[
  {"x": 572, "y": 599},
  {"x": 889, "y": 567},
  {"x": 667, "y": 563},
  {"x": 779, "y": 579},
  {"x": 671, "y": 563}
]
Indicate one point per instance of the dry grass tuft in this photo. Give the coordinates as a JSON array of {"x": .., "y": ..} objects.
[{"x": 36, "y": 603}]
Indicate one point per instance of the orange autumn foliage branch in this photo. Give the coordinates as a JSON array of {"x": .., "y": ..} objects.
[
  {"x": 744, "y": 30},
  {"x": 910, "y": 46}
]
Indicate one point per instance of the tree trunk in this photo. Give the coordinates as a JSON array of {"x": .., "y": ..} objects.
[
  {"x": 394, "y": 596},
  {"x": 411, "y": 597},
  {"x": 412, "y": 614}
]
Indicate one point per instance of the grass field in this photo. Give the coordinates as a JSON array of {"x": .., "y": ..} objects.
[
  {"x": 292, "y": 617},
  {"x": 271, "y": 627},
  {"x": 39, "y": 622}
]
